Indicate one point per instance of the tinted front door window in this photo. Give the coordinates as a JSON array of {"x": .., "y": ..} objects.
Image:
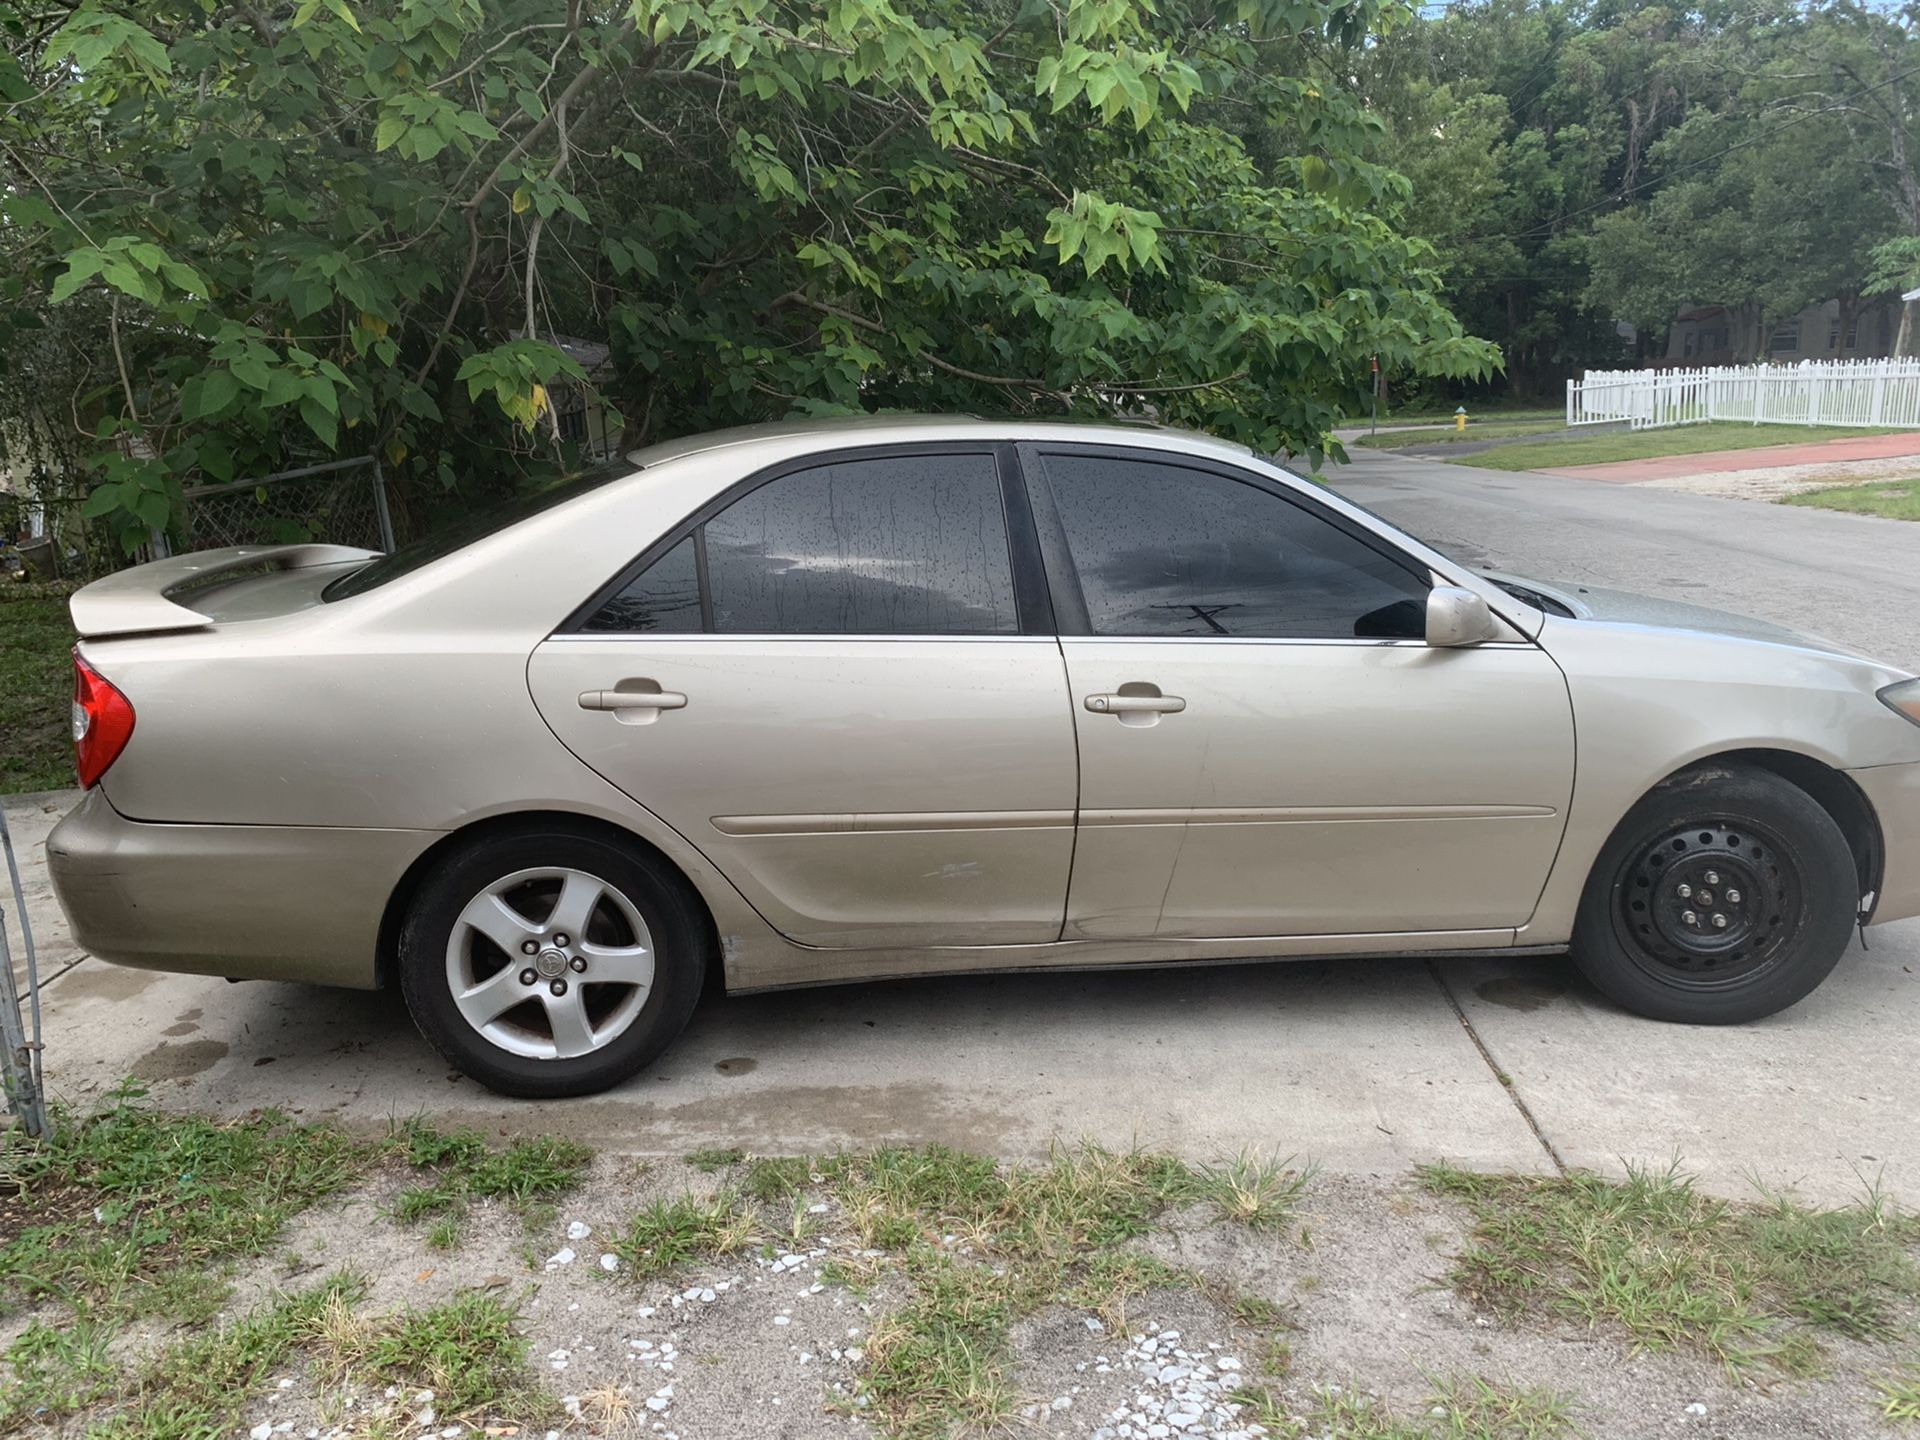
[{"x": 1162, "y": 549}]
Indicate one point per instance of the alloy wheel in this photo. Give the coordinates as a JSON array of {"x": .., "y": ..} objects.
[{"x": 550, "y": 963}]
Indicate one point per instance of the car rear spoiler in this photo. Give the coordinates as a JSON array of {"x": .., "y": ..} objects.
[{"x": 137, "y": 601}]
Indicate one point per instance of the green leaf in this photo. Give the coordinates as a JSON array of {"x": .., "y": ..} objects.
[
  {"x": 152, "y": 508},
  {"x": 104, "y": 498},
  {"x": 321, "y": 421},
  {"x": 208, "y": 394},
  {"x": 82, "y": 266}
]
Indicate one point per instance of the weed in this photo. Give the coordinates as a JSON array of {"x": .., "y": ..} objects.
[
  {"x": 56, "y": 1370},
  {"x": 671, "y": 1233},
  {"x": 1255, "y": 1191},
  {"x": 777, "y": 1178},
  {"x": 707, "y": 1162},
  {"x": 1477, "y": 1409},
  {"x": 198, "y": 1386},
  {"x": 1746, "y": 1285},
  {"x": 445, "y": 1234},
  {"x": 1110, "y": 1278},
  {"x": 939, "y": 1363},
  {"x": 1900, "y": 1395},
  {"x": 461, "y": 1167},
  {"x": 467, "y": 1351}
]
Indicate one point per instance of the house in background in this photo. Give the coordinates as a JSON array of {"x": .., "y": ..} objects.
[{"x": 1722, "y": 335}]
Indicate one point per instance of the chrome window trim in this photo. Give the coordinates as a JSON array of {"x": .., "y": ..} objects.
[{"x": 603, "y": 637}]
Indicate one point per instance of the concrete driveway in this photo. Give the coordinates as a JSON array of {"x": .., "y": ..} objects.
[{"x": 1363, "y": 1066}]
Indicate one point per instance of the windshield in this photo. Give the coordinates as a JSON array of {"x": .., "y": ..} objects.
[{"x": 487, "y": 520}]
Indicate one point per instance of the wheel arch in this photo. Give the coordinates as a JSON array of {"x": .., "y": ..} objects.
[
  {"x": 1829, "y": 788},
  {"x": 387, "y": 954}
]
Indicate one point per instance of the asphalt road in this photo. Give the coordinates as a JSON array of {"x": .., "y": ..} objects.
[
  {"x": 1364, "y": 1066},
  {"x": 1849, "y": 578}
]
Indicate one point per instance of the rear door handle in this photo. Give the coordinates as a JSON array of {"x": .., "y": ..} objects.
[
  {"x": 632, "y": 700},
  {"x": 1116, "y": 704}
]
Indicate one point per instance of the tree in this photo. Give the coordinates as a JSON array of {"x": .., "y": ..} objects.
[{"x": 326, "y": 227}]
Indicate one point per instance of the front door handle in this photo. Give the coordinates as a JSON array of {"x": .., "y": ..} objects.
[
  {"x": 632, "y": 700},
  {"x": 1125, "y": 704}
]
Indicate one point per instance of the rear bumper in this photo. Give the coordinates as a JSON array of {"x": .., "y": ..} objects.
[
  {"x": 256, "y": 902},
  {"x": 1894, "y": 793}
]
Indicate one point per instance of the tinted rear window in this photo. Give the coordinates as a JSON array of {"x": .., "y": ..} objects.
[{"x": 488, "y": 520}]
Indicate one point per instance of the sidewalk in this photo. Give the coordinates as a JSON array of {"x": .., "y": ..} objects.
[{"x": 1767, "y": 457}]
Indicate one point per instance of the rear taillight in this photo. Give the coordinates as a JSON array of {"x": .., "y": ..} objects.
[{"x": 102, "y": 722}]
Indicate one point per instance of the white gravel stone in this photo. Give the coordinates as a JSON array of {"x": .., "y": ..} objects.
[
  {"x": 563, "y": 1256},
  {"x": 1696, "y": 1408},
  {"x": 609, "y": 1262}
]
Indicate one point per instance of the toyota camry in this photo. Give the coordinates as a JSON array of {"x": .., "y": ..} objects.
[{"x": 833, "y": 701}]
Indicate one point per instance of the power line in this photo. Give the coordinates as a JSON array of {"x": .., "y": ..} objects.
[{"x": 1547, "y": 226}]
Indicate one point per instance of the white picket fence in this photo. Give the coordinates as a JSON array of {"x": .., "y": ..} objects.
[{"x": 1814, "y": 392}]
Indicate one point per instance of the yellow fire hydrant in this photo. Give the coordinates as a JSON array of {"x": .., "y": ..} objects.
[{"x": 1459, "y": 417}]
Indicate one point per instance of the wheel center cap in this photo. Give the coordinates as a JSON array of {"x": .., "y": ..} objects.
[{"x": 551, "y": 963}]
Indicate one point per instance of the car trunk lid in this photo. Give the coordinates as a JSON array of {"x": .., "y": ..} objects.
[{"x": 208, "y": 587}]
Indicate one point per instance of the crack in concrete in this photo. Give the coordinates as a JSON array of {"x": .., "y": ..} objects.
[{"x": 1501, "y": 1077}]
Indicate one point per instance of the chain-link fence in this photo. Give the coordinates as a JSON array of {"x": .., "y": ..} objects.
[{"x": 342, "y": 503}]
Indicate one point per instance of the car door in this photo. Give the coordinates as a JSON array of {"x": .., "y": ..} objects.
[
  {"x": 833, "y": 682},
  {"x": 1267, "y": 745}
]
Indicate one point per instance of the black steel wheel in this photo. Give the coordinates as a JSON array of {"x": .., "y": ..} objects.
[{"x": 1725, "y": 895}]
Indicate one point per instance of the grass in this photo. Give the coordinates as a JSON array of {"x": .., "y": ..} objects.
[
  {"x": 461, "y": 1167},
  {"x": 675, "y": 1232},
  {"x": 1748, "y": 1286},
  {"x": 1479, "y": 431},
  {"x": 56, "y": 1370},
  {"x": 127, "y": 1211},
  {"x": 1257, "y": 1192},
  {"x": 199, "y": 1385},
  {"x": 1900, "y": 1395},
  {"x": 1486, "y": 410},
  {"x": 1890, "y": 499},
  {"x": 1649, "y": 444},
  {"x": 468, "y": 1350},
  {"x": 1469, "y": 1409},
  {"x": 36, "y": 686}
]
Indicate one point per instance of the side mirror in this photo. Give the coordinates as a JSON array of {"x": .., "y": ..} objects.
[{"x": 1457, "y": 617}]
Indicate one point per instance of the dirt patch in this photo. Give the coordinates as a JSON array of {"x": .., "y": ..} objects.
[
  {"x": 45, "y": 1202},
  {"x": 1779, "y": 481}
]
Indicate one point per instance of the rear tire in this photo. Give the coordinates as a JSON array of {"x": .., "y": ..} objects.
[
  {"x": 1725, "y": 895},
  {"x": 547, "y": 962}
]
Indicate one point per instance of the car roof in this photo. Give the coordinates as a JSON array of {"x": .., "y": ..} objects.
[{"x": 832, "y": 431}]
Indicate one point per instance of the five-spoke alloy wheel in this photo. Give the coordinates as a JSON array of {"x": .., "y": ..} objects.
[
  {"x": 551, "y": 963},
  {"x": 1725, "y": 895}
]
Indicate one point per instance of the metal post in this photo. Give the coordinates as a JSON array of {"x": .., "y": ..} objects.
[
  {"x": 20, "y": 1062},
  {"x": 380, "y": 510}
]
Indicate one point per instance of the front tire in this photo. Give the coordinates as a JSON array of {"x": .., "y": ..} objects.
[
  {"x": 1725, "y": 895},
  {"x": 546, "y": 963}
]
